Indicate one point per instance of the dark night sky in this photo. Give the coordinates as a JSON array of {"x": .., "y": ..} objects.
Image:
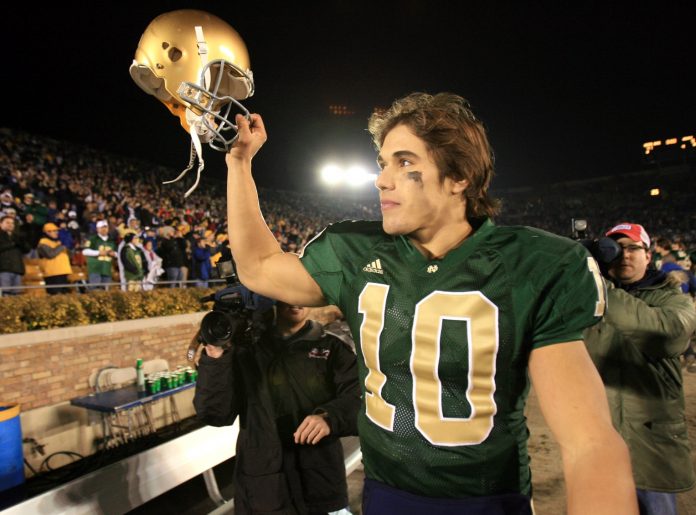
[{"x": 566, "y": 92}]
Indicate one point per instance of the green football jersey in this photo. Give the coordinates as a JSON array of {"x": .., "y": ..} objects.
[
  {"x": 443, "y": 346},
  {"x": 99, "y": 264}
]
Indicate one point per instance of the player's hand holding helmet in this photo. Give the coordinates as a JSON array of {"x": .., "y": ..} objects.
[{"x": 252, "y": 136}]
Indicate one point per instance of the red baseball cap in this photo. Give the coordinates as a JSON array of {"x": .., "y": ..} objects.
[{"x": 634, "y": 231}]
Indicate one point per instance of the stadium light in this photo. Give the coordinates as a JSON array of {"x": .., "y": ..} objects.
[
  {"x": 332, "y": 174},
  {"x": 354, "y": 175},
  {"x": 357, "y": 175}
]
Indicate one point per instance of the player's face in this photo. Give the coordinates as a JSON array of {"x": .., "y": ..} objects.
[
  {"x": 413, "y": 199},
  {"x": 633, "y": 263}
]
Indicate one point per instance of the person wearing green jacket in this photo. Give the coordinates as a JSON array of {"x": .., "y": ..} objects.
[
  {"x": 132, "y": 262},
  {"x": 99, "y": 251},
  {"x": 636, "y": 349}
]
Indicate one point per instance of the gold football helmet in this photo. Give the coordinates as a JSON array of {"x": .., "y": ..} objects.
[{"x": 198, "y": 66}]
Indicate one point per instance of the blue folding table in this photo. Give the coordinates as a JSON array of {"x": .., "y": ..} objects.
[{"x": 129, "y": 401}]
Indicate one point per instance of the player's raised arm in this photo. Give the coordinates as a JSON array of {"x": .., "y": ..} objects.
[
  {"x": 596, "y": 463},
  {"x": 261, "y": 264}
]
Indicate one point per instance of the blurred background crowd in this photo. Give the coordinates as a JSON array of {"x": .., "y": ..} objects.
[{"x": 67, "y": 210}]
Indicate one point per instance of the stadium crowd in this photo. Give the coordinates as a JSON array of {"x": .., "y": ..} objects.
[
  {"x": 57, "y": 194},
  {"x": 60, "y": 192}
]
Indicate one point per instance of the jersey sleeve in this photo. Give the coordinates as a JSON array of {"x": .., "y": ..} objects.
[
  {"x": 322, "y": 262},
  {"x": 573, "y": 299}
]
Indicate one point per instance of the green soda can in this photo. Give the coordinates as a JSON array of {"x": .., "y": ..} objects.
[
  {"x": 163, "y": 382},
  {"x": 150, "y": 384}
]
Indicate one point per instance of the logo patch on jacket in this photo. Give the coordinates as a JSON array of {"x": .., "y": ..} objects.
[{"x": 318, "y": 353}]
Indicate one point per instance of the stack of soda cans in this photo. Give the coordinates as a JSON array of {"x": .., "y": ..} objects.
[{"x": 168, "y": 380}]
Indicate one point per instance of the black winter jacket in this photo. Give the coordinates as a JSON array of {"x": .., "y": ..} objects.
[
  {"x": 12, "y": 250},
  {"x": 173, "y": 252},
  {"x": 272, "y": 386}
]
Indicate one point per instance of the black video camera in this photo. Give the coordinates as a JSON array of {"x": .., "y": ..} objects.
[
  {"x": 230, "y": 316},
  {"x": 227, "y": 321},
  {"x": 238, "y": 314},
  {"x": 604, "y": 250}
]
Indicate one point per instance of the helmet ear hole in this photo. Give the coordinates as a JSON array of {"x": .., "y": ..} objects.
[{"x": 174, "y": 54}]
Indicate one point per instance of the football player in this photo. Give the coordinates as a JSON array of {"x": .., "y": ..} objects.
[{"x": 452, "y": 316}]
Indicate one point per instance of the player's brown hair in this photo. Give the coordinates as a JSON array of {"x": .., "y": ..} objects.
[{"x": 455, "y": 137}]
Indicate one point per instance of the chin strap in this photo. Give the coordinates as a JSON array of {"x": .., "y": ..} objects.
[
  {"x": 196, "y": 151},
  {"x": 195, "y": 121}
]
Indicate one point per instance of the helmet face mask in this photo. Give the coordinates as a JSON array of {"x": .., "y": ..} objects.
[
  {"x": 211, "y": 110},
  {"x": 198, "y": 66}
]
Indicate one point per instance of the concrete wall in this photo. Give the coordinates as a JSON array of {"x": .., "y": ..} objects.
[{"x": 42, "y": 370}]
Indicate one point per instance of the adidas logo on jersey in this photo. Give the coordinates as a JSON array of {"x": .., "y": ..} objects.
[{"x": 375, "y": 267}]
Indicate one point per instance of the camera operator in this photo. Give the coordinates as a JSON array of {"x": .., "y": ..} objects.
[
  {"x": 636, "y": 349},
  {"x": 296, "y": 392}
]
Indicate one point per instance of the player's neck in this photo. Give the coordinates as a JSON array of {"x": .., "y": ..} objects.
[{"x": 437, "y": 244}]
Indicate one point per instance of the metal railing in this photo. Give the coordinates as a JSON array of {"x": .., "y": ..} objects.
[{"x": 86, "y": 287}]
